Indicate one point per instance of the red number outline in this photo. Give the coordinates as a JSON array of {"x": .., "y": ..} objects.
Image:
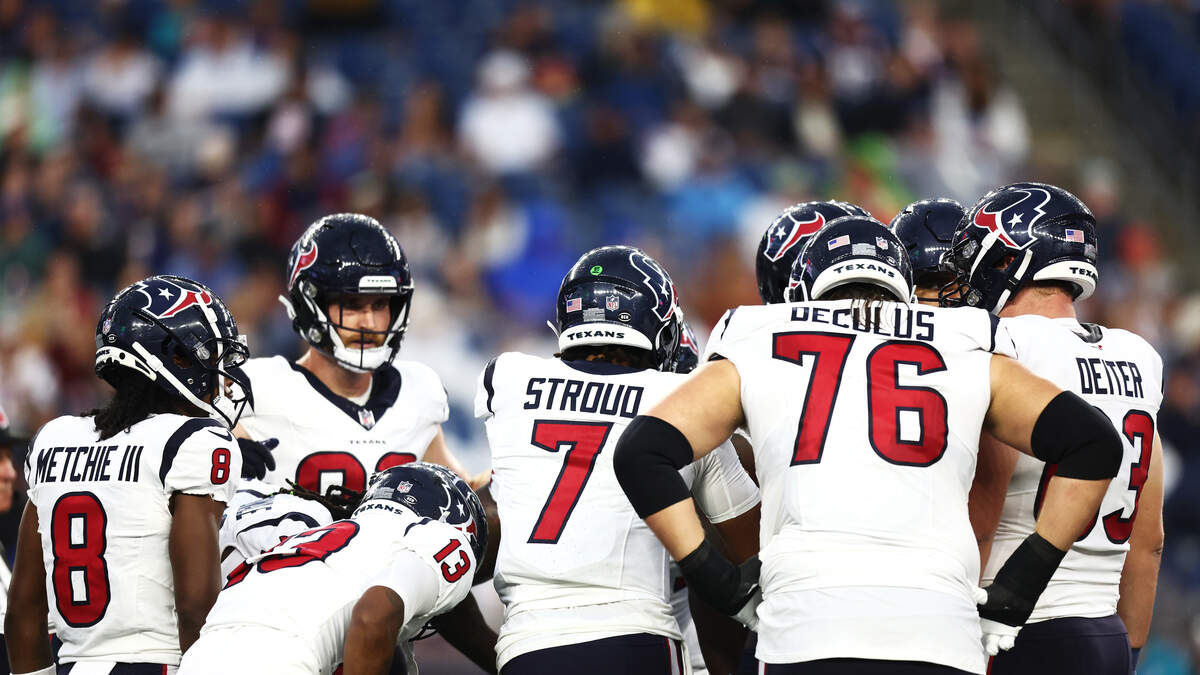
[
  {"x": 820, "y": 396},
  {"x": 1116, "y": 528},
  {"x": 578, "y": 462},
  {"x": 309, "y": 470},
  {"x": 390, "y": 459},
  {"x": 327, "y": 540},
  {"x": 1138, "y": 426},
  {"x": 460, "y": 568},
  {"x": 883, "y": 385},
  {"x": 220, "y": 465},
  {"x": 67, "y": 559},
  {"x": 884, "y": 388}
]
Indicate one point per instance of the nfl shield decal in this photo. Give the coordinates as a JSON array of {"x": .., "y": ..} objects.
[
  {"x": 366, "y": 418},
  {"x": 612, "y": 303}
]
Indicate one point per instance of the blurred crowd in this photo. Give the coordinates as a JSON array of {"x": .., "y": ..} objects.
[
  {"x": 498, "y": 139},
  {"x": 1161, "y": 39}
]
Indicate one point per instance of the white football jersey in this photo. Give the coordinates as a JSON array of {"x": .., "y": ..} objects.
[
  {"x": 257, "y": 518},
  {"x": 865, "y": 443},
  {"x": 325, "y": 439},
  {"x": 576, "y": 563},
  {"x": 307, "y": 586},
  {"x": 104, "y": 520},
  {"x": 1121, "y": 374}
]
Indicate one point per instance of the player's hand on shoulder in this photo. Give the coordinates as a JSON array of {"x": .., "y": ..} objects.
[{"x": 257, "y": 459}]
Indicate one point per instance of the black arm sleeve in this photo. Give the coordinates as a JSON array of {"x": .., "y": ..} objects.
[
  {"x": 1020, "y": 581},
  {"x": 647, "y": 462},
  {"x": 1077, "y": 437}
]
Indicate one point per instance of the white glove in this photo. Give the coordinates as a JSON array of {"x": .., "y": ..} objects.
[
  {"x": 748, "y": 614},
  {"x": 997, "y": 637}
]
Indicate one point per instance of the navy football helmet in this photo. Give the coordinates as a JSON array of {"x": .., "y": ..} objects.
[
  {"x": 179, "y": 335},
  {"x": 787, "y": 234},
  {"x": 926, "y": 228},
  {"x": 434, "y": 492},
  {"x": 852, "y": 249},
  {"x": 347, "y": 254},
  {"x": 1021, "y": 233},
  {"x": 618, "y": 295},
  {"x": 687, "y": 357}
]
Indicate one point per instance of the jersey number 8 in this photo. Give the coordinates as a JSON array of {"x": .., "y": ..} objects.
[{"x": 80, "y": 573}]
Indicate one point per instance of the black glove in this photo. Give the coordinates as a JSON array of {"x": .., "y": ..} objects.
[
  {"x": 256, "y": 457},
  {"x": 1020, "y": 581},
  {"x": 720, "y": 583}
]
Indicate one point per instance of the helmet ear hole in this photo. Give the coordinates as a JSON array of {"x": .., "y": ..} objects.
[{"x": 180, "y": 358}]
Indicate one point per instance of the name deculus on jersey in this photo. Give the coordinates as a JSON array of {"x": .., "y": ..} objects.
[{"x": 905, "y": 322}]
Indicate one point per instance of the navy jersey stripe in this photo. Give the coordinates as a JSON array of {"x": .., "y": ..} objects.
[
  {"x": 181, "y": 434},
  {"x": 995, "y": 320},
  {"x": 291, "y": 515},
  {"x": 488, "y": 373},
  {"x": 727, "y": 319},
  {"x": 385, "y": 389}
]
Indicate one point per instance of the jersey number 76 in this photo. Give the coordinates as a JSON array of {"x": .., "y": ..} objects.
[{"x": 887, "y": 399}]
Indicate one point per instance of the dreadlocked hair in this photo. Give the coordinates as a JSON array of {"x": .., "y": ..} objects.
[
  {"x": 340, "y": 500},
  {"x": 618, "y": 354},
  {"x": 865, "y": 313},
  {"x": 135, "y": 399}
]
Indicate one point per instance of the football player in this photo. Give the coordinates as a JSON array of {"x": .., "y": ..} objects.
[
  {"x": 779, "y": 247},
  {"x": 257, "y": 526},
  {"x": 346, "y": 408},
  {"x": 348, "y": 591},
  {"x": 1027, "y": 252},
  {"x": 865, "y": 410},
  {"x": 707, "y": 634},
  {"x": 584, "y": 583},
  {"x": 118, "y": 542},
  {"x": 784, "y": 238},
  {"x": 925, "y": 228}
]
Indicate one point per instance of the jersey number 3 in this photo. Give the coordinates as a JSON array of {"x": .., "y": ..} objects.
[
  {"x": 887, "y": 400},
  {"x": 583, "y": 441}
]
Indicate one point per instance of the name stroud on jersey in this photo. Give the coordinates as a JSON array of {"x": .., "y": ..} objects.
[
  {"x": 606, "y": 398},
  {"x": 96, "y": 463},
  {"x": 904, "y": 321},
  {"x": 1119, "y": 378}
]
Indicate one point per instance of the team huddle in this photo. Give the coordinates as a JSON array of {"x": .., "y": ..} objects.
[{"x": 911, "y": 458}]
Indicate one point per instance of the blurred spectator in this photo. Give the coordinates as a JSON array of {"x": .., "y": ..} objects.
[
  {"x": 172, "y": 143},
  {"x": 121, "y": 75},
  {"x": 56, "y": 83},
  {"x": 223, "y": 72},
  {"x": 506, "y": 125},
  {"x": 980, "y": 130}
]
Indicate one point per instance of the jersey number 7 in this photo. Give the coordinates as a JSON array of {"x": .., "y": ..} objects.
[
  {"x": 887, "y": 399},
  {"x": 583, "y": 441}
]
